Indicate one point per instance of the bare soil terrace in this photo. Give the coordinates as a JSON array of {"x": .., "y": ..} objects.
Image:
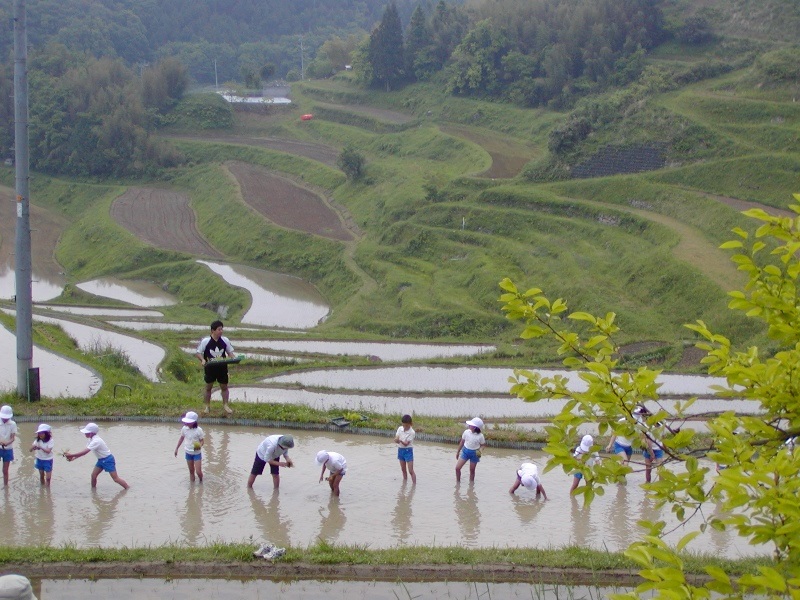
[
  {"x": 287, "y": 203},
  {"x": 162, "y": 218}
]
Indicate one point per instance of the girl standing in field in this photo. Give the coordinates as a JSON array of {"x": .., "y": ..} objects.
[
  {"x": 8, "y": 433},
  {"x": 404, "y": 438},
  {"x": 43, "y": 446},
  {"x": 469, "y": 448},
  {"x": 193, "y": 436}
]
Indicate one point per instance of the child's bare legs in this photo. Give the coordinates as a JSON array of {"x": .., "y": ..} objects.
[
  {"x": 195, "y": 469},
  {"x": 6, "y": 466},
  {"x": 333, "y": 481},
  {"x": 276, "y": 481},
  {"x": 47, "y": 477},
  {"x": 95, "y": 472},
  {"x": 118, "y": 479},
  {"x": 410, "y": 466},
  {"x": 472, "y": 466},
  {"x": 403, "y": 469},
  {"x": 460, "y": 465},
  {"x": 575, "y": 481}
]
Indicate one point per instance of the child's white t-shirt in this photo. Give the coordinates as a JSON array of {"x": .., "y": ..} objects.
[
  {"x": 6, "y": 429},
  {"x": 406, "y": 436},
  {"x": 98, "y": 446},
  {"x": 190, "y": 436},
  {"x": 44, "y": 450},
  {"x": 336, "y": 463},
  {"x": 472, "y": 440}
]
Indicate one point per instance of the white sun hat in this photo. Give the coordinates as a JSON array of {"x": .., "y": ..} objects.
[
  {"x": 44, "y": 428},
  {"x": 528, "y": 481},
  {"x": 475, "y": 422},
  {"x": 586, "y": 443},
  {"x": 16, "y": 587},
  {"x": 90, "y": 428},
  {"x": 322, "y": 457},
  {"x": 190, "y": 417},
  {"x": 6, "y": 412}
]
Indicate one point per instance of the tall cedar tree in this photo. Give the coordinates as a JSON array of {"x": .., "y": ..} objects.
[
  {"x": 418, "y": 44},
  {"x": 386, "y": 49}
]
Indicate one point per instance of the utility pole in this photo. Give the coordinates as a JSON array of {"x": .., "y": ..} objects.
[
  {"x": 302, "y": 61},
  {"x": 22, "y": 246},
  {"x": 216, "y": 81}
]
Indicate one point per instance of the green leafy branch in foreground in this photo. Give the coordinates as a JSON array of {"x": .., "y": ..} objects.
[{"x": 756, "y": 489}]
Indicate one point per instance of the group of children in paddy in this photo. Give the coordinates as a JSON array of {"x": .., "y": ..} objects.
[{"x": 274, "y": 451}]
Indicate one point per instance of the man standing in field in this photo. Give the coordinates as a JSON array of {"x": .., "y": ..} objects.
[{"x": 211, "y": 348}]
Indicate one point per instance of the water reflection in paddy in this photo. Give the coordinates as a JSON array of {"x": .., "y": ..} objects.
[
  {"x": 139, "y": 293},
  {"x": 154, "y": 325},
  {"x": 385, "y": 351},
  {"x": 234, "y": 589},
  {"x": 103, "y": 311},
  {"x": 43, "y": 288},
  {"x": 376, "y": 509},
  {"x": 277, "y": 300},
  {"x": 457, "y": 405},
  {"x": 58, "y": 376},
  {"x": 464, "y": 379},
  {"x": 145, "y": 355}
]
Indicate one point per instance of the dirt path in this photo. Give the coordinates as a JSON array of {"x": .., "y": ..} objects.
[
  {"x": 290, "y": 205},
  {"x": 162, "y": 218},
  {"x": 508, "y": 155},
  {"x": 319, "y": 152},
  {"x": 258, "y": 569},
  {"x": 46, "y": 230}
]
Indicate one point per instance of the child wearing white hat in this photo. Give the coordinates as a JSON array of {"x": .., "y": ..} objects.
[
  {"x": 16, "y": 587},
  {"x": 105, "y": 460},
  {"x": 269, "y": 452},
  {"x": 469, "y": 448},
  {"x": 583, "y": 453},
  {"x": 528, "y": 477},
  {"x": 43, "y": 446},
  {"x": 193, "y": 438},
  {"x": 8, "y": 433},
  {"x": 336, "y": 464}
]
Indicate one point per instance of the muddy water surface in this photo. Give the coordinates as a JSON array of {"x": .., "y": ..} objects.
[
  {"x": 226, "y": 589},
  {"x": 139, "y": 293},
  {"x": 384, "y": 351},
  {"x": 277, "y": 300},
  {"x": 57, "y": 375},
  {"x": 376, "y": 508},
  {"x": 101, "y": 311},
  {"x": 43, "y": 287}
]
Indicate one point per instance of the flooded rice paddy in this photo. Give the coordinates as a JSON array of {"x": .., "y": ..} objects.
[
  {"x": 455, "y": 405},
  {"x": 394, "y": 351},
  {"x": 376, "y": 508},
  {"x": 43, "y": 287},
  {"x": 490, "y": 380},
  {"x": 105, "y": 311},
  {"x": 227, "y": 589},
  {"x": 58, "y": 375},
  {"x": 277, "y": 300},
  {"x": 138, "y": 293}
]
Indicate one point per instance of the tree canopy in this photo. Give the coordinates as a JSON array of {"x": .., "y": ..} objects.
[{"x": 756, "y": 485}]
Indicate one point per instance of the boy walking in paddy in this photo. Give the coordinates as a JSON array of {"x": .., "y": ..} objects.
[
  {"x": 404, "y": 438},
  {"x": 105, "y": 460},
  {"x": 8, "y": 433}
]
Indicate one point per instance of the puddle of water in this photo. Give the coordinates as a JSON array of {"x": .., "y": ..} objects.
[
  {"x": 384, "y": 351},
  {"x": 233, "y": 589},
  {"x": 139, "y": 293},
  {"x": 459, "y": 406},
  {"x": 277, "y": 300},
  {"x": 100, "y": 311},
  {"x": 42, "y": 288},
  {"x": 145, "y": 355},
  {"x": 375, "y": 509},
  {"x": 149, "y": 325},
  {"x": 58, "y": 375},
  {"x": 465, "y": 379}
]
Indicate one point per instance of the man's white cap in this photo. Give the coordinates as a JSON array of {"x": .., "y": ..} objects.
[
  {"x": 190, "y": 417},
  {"x": 16, "y": 587},
  {"x": 6, "y": 412},
  {"x": 476, "y": 422},
  {"x": 586, "y": 443},
  {"x": 44, "y": 427},
  {"x": 90, "y": 428},
  {"x": 322, "y": 457}
]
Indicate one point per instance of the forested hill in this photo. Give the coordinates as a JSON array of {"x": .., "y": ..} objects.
[{"x": 138, "y": 30}]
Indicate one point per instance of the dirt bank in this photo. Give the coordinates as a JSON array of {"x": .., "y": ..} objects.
[{"x": 162, "y": 218}]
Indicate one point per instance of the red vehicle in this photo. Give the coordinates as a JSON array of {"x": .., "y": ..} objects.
[{"x": 306, "y": 117}]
